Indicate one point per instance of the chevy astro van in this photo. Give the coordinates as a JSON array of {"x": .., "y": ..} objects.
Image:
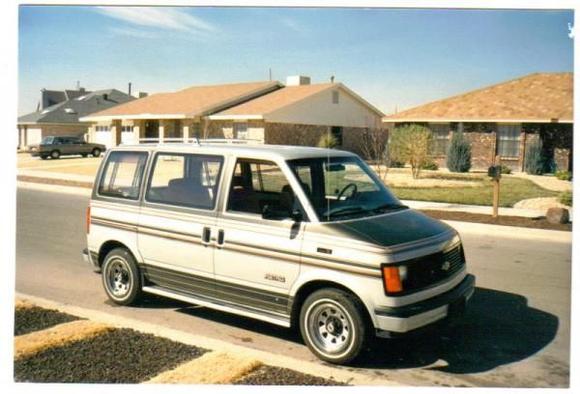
[{"x": 295, "y": 236}]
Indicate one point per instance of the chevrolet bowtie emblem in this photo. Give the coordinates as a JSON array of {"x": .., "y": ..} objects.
[{"x": 445, "y": 266}]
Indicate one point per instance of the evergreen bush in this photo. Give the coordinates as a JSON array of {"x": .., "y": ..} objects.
[
  {"x": 534, "y": 161},
  {"x": 459, "y": 154}
]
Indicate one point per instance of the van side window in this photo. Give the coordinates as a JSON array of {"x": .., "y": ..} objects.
[
  {"x": 185, "y": 180},
  {"x": 122, "y": 175},
  {"x": 256, "y": 184}
]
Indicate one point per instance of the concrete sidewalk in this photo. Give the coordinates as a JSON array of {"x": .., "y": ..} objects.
[{"x": 443, "y": 206}]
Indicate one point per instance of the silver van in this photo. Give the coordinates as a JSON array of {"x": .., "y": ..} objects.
[{"x": 295, "y": 236}]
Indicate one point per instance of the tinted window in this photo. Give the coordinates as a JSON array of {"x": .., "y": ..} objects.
[
  {"x": 122, "y": 175},
  {"x": 186, "y": 180},
  {"x": 257, "y": 184}
]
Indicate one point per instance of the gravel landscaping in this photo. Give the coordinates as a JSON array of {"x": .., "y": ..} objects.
[
  {"x": 119, "y": 356},
  {"x": 518, "y": 221},
  {"x": 33, "y": 318},
  {"x": 267, "y": 375}
]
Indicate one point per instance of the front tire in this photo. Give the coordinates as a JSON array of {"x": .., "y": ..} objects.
[
  {"x": 96, "y": 152},
  {"x": 55, "y": 154},
  {"x": 333, "y": 325},
  {"x": 121, "y": 278}
]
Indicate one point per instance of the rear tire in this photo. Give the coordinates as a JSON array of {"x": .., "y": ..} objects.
[
  {"x": 333, "y": 325},
  {"x": 96, "y": 152},
  {"x": 121, "y": 278},
  {"x": 84, "y": 154},
  {"x": 55, "y": 155}
]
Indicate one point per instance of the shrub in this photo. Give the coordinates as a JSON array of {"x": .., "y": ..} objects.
[
  {"x": 534, "y": 162},
  {"x": 396, "y": 164},
  {"x": 566, "y": 198},
  {"x": 505, "y": 169},
  {"x": 459, "y": 154},
  {"x": 327, "y": 140},
  {"x": 430, "y": 165},
  {"x": 410, "y": 144},
  {"x": 564, "y": 175}
]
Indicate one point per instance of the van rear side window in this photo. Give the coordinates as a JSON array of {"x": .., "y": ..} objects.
[{"x": 123, "y": 174}]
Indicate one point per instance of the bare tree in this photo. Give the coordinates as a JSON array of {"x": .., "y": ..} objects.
[{"x": 374, "y": 147}]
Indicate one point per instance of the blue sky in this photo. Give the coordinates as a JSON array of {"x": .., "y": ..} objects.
[{"x": 395, "y": 58}]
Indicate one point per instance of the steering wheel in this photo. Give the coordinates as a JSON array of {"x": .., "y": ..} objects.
[{"x": 352, "y": 186}]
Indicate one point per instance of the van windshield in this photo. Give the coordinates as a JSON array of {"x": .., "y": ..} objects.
[{"x": 342, "y": 188}]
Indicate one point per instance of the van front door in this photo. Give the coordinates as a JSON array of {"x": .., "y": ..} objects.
[
  {"x": 177, "y": 220},
  {"x": 258, "y": 254}
]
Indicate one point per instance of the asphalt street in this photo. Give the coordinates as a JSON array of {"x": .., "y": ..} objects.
[{"x": 516, "y": 332}]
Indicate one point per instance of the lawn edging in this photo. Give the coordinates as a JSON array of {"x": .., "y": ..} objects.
[{"x": 306, "y": 367}]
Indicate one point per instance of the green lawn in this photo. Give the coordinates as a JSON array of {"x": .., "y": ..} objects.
[{"x": 512, "y": 190}]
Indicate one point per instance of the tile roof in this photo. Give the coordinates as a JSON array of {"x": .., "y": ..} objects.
[
  {"x": 71, "y": 110},
  {"x": 190, "y": 102},
  {"x": 538, "y": 97},
  {"x": 273, "y": 101}
]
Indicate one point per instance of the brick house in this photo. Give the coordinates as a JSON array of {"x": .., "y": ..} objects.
[
  {"x": 503, "y": 120},
  {"x": 296, "y": 113},
  {"x": 58, "y": 113}
]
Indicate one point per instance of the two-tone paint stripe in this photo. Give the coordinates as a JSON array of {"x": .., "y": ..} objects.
[{"x": 310, "y": 259}]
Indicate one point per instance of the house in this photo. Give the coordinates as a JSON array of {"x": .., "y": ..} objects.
[
  {"x": 59, "y": 113},
  {"x": 296, "y": 113},
  {"x": 503, "y": 120}
]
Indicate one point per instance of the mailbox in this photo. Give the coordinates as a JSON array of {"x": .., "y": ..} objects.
[{"x": 494, "y": 172}]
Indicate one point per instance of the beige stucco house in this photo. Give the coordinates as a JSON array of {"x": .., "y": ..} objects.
[{"x": 295, "y": 113}]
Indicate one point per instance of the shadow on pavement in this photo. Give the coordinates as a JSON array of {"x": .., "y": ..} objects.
[{"x": 498, "y": 328}]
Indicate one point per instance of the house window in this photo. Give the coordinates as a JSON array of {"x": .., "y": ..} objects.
[
  {"x": 508, "y": 140},
  {"x": 440, "y": 140},
  {"x": 127, "y": 129},
  {"x": 241, "y": 131},
  {"x": 102, "y": 128},
  {"x": 336, "y": 132},
  {"x": 335, "y": 97}
]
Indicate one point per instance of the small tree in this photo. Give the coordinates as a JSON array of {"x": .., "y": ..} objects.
[
  {"x": 459, "y": 154},
  {"x": 327, "y": 140},
  {"x": 534, "y": 161},
  {"x": 410, "y": 144},
  {"x": 374, "y": 147}
]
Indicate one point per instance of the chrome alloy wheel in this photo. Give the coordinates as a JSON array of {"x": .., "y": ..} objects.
[
  {"x": 329, "y": 327},
  {"x": 118, "y": 278}
]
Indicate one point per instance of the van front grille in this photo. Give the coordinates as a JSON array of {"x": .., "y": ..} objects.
[{"x": 426, "y": 271}]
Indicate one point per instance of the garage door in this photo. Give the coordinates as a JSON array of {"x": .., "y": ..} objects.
[
  {"x": 33, "y": 136},
  {"x": 103, "y": 137}
]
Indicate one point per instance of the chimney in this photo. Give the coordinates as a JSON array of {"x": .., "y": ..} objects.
[
  {"x": 332, "y": 79},
  {"x": 129, "y": 89},
  {"x": 297, "y": 80}
]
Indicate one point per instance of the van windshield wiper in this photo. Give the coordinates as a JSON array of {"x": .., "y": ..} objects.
[
  {"x": 344, "y": 211},
  {"x": 389, "y": 207}
]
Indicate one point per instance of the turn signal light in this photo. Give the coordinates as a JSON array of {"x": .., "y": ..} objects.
[
  {"x": 88, "y": 220},
  {"x": 392, "y": 279}
]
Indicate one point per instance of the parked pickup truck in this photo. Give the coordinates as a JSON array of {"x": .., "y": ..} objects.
[
  {"x": 295, "y": 236},
  {"x": 55, "y": 147}
]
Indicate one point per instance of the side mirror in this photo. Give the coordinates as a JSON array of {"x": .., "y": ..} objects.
[{"x": 270, "y": 212}]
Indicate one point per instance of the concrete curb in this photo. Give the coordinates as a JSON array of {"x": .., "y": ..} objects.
[{"x": 340, "y": 374}]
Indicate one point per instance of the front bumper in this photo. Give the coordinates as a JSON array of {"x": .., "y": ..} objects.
[
  {"x": 91, "y": 258},
  {"x": 410, "y": 317}
]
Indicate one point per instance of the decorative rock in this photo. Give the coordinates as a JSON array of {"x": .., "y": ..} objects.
[{"x": 558, "y": 215}]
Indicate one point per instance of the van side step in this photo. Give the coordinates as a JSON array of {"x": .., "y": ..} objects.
[{"x": 218, "y": 305}]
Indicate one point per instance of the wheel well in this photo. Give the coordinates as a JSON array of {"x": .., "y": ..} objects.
[
  {"x": 107, "y": 247},
  {"x": 311, "y": 287}
]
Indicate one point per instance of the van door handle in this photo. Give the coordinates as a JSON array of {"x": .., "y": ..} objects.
[
  {"x": 205, "y": 236},
  {"x": 220, "y": 240}
]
